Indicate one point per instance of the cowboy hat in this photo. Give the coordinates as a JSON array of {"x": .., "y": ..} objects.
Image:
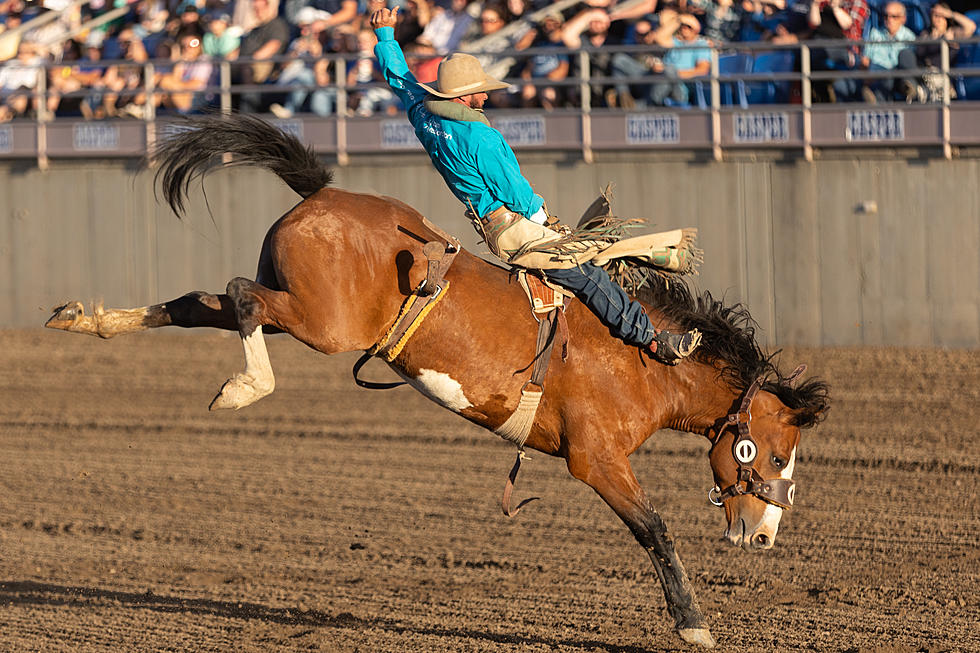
[{"x": 461, "y": 74}]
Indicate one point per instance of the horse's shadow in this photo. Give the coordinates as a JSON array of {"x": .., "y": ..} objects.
[{"x": 48, "y": 594}]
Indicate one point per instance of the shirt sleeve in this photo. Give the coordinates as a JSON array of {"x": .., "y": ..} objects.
[
  {"x": 396, "y": 72},
  {"x": 499, "y": 168}
]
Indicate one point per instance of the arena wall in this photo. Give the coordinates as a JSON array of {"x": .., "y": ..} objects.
[{"x": 878, "y": 250}]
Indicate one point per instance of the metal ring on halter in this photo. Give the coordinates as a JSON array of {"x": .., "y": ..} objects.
[{"x": 713, "y": 496}]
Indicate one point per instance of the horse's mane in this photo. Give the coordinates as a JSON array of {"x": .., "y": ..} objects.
[{"x": 729, "y": 344}]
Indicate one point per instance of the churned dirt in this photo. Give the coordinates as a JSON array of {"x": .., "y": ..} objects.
[{"x": 331, "y": 518}]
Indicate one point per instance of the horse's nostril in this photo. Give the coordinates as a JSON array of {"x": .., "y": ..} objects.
[{"x": 761, "y": 540}]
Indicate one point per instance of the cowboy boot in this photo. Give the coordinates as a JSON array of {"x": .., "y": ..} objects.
[{"x": 669, "y": 348}]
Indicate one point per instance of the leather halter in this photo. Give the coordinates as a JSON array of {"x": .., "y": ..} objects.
[{"x": 777, "y": 491}]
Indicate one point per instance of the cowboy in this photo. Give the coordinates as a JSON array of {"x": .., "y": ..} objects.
[{"x": 482, "y": 172}]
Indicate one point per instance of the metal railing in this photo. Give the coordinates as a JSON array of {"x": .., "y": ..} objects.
[{"x": 708, "y": 90}]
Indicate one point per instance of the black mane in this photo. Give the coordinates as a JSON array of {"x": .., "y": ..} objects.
[{"x": 729, "y": 339}]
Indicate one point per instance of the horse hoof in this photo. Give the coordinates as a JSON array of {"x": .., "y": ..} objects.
[
  {"x": 238, "y": 392},
  {"x": 66, "y": 316},
  {"x": 699, "y": 636}
]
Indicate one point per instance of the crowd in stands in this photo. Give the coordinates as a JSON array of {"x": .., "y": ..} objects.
[{"x": 93, "y": 53}]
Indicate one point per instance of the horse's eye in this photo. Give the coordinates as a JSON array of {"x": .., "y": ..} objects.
[{"x": 778, "y": 462}]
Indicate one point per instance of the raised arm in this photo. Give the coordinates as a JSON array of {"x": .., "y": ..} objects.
[{"x": 392, "y": 60}]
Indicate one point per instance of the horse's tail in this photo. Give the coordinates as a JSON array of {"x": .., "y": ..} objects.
[{"x": 194, "y": 146}]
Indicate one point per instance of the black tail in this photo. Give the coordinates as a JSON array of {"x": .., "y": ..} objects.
[{"x": 195, "y": 145}]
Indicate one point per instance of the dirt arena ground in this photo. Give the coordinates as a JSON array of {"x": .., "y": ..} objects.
[{"x": 330, "y": 518}]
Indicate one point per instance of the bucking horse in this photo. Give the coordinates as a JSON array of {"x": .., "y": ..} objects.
[{"x": 336, "y": 271}]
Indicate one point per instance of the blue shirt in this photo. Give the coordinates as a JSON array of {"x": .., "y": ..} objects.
[
  {"x": 883, "y": 48},
  {"x": 473, "y": 159},
  {"x": 686, "y": 58}
]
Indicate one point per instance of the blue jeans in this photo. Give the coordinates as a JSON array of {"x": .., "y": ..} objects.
[{"x": 625, "y": 318}]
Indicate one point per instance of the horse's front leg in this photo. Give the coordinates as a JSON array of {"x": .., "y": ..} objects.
[
  {"x": 613, "y": 479},
  {"x": 195, "y": 309}
]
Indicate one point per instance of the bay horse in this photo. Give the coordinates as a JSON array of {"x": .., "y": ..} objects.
[{"x": 334, "y": 271}]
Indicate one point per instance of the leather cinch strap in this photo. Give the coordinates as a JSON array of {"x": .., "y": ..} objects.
[{"x": 416, "y": 306}]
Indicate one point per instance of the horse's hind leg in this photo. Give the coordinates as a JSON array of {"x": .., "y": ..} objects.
[
  {"x": 255, "y": 306},
  {"x": 195, "y": 309},
  {"x": 614, "y": 481}
]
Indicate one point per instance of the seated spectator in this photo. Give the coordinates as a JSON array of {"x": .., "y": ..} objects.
[
  {"x": 368, "y": 101},
  {"x": 944, "y": 23},
  {"x": 552, "y": 66},
  {"x": 624, "y": 65},
  {"x": 679, "y": 63},
  {"x": 422, "y": 60},
  {"x": 887, "y": 48},
  {"x": 340, "y": 12},
  {"x": 18, "y": 80},
  {"x": 491, "y": 38},
  {"x": 593, "y": 28},
  {"x": 90, "y": 74},
  {"x": 723, "y": 21},
  {"x": 190, "y": 76},
  {"x": 448, "y": 26},
  {"x": 220, "y": 41},
  {"x": 269, "y": 38},
  {"x": 62, "y": 80},
  {"x": 413, "y": 18},
  {"x": 125, "y": 85},
  {"x": 308, "y": 69},
  {"x": 835, "y": 19}
]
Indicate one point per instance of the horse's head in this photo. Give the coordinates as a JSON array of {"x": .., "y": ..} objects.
[{"x": 753, "y": 458}]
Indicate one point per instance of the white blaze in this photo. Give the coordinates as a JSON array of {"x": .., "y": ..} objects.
[{"x": 770, "y": 518}]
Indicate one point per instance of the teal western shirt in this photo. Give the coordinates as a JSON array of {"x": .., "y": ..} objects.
[{"x": 474, "y": 160}]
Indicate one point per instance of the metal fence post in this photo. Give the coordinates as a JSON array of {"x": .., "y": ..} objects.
[
  {"x": 224, "y": 80},
  {"x": 944, "y": 61},
  {"x": 585, "y": 90},
  {"x": 41, "y": 98},
  {"x": 807, "y": 92},
  {"x": 340, "y": 80},
  {"x": 715, "y": 107}
]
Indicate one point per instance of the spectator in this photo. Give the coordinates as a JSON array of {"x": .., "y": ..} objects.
[
  {"x": 448, "y": 26},
  {"x": 367, "y": 101},
  {"x": 944, "y": 23},
  {"x": 552, "y": 66},
  {"x": 220, "y": 41},
  {"x": 422, "y": 60},
  {"x": 722, "y": 21},
  {"x": 591, "y": 27},
  {"x": 18, "y": 80},
  {"x": 125, "y": 85},
  {"x": 633, "y": 66},
  {"x": 340, "y": 12},
  {"x": 63, "y": 81},
  {"x": 90, "y": 74},
  {"x": 493, "y": 37},
  {"x": 835, "y": 19},
  {"x": 681, "y": 62},
  {"x": 307, "y": 69},
  {"x": 190, "y": 76},
  {"x": 413, "y": 18},
  {"x": 269, "y": 38},
  {"x": 887, "y": 48}
]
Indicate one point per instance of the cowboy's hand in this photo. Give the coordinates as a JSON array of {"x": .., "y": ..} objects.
[{"x": 384, "y": 18}]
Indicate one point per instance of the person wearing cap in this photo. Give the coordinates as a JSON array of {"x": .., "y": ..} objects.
[{"x": 480, "y": 169}]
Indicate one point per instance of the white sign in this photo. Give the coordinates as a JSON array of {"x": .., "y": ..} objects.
[
  {"x": 521, "y": 131},
  {"x": 653, "y": 128},
  {"x": 761, "y": 127},
  {"x": 875, "y": 125},
  {"x": 398, "y": 134},
  {"x": 95, "y": 136},
  {"x": 291, "y": 127},
  {"x": 6, "y": 139}
]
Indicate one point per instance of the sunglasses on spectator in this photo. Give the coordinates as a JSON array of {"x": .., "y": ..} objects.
[
  {"x": 489, "y": 20},
  {"x": 894, "y": 15}
]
